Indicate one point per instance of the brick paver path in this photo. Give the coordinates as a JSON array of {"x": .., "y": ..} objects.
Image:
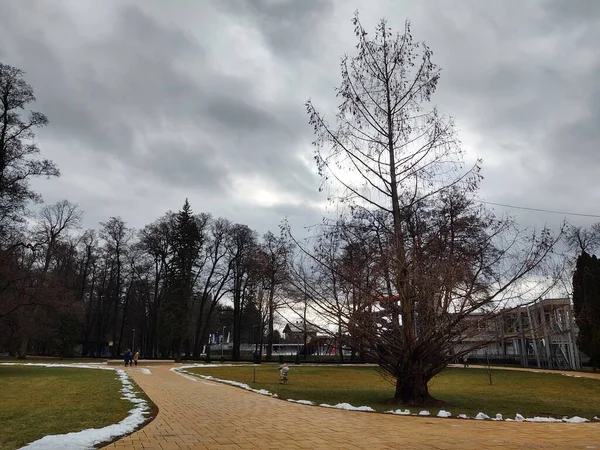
[{"x": 207, "y": 415}]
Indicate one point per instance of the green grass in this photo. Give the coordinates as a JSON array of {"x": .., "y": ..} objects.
[
  {"x": 38, "y": 401},
  {"x": 463, "y": 391},
  {"x": 52, "y": 360}
]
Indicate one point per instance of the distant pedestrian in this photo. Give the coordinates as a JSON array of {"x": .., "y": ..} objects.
[
  {"x": 136, "y": 357},
  {"x": 128, "y": 358},
  {"x": 465, "y": 361}
]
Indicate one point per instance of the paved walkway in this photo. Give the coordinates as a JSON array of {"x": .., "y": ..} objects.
[{"x": 208, "y": 415}]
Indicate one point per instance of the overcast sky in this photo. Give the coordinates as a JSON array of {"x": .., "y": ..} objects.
[{"x": 151, "y": 102}]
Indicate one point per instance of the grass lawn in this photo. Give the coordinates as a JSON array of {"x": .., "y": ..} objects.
[
  {"x": 37, "y": 401},
  {"x": 464, "y": 391},
  {"x": 52, "y": 360}
]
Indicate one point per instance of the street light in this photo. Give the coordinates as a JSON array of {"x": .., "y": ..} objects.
[
  {"x": 222, "y": 339},
  {"x": 133, "y": 341}
]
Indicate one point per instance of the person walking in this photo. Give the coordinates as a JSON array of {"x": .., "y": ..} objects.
[
  {"x": 128, "y": 357},
  {"x": 136, "y": 357}
]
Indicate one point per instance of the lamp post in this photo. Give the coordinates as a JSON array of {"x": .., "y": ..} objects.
[
  {"x": 222, "y": 340},
  {"x": 255, "y": 356},
  {"x": 133, "y": 341}
]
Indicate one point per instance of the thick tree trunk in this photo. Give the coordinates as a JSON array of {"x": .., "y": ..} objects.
[
  {"x": 23, "y": 347},
  {"x": 412, "y": 390}
]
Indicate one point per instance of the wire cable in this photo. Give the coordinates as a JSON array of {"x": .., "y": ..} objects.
[{"x": 540, "y": 209}]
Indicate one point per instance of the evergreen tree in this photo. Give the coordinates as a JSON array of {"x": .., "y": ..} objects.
[
  {"x": 187, "y": 243},
  {"x": 586, "y": 303}
]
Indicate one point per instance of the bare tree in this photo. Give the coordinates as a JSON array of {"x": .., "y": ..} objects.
[
  {"x": 116, "y": 235},
  {"x": 19, "y": 153},
  {"x": 213, "y": 278},
  {"x": 580, "y": 239},
  {"x": 242, "y": 250},
  {"x": 434, "y": 256},
  {"x": 272, "y": 261}
]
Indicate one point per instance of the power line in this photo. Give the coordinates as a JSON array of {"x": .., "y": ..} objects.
[{"x": 564, "y": 213}]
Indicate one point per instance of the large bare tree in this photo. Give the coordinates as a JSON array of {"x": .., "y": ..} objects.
[
  {"x": 418, "y": 255},
  {"x": 19, "y": 153}
]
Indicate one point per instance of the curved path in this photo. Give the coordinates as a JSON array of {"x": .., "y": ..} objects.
[{"x": 208, "y": 415}]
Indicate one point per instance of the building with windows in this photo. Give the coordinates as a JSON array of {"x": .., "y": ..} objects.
[{"x": 541, "y": 334}]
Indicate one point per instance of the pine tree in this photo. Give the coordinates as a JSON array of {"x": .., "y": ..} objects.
[{"x": 187, "y": 243}]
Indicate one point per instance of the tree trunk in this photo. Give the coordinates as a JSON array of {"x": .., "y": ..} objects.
[
  {"x": 116, "y": 351},
  {"x": 23, "y": 347},
  {"x": 412, "y": 390},
  {"x": 270, "y": 323}
]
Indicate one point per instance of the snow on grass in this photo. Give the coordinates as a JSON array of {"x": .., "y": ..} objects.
[
  {"x": 348, "y": 407},
  {"x": 302, "y": 402},
  {"x": 542, "y": 419},
  {"x": 401, "y": 412},
  {"x": 89, "y": 438},
  {"x": 442, "y": 413},
  {"x": 575, "y": 419},
  {"x": 184, "y": 373}
]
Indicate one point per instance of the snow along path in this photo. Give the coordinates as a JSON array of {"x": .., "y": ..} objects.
[
  {"x": 198, "y": 414},
  {"x": 442, "y": 413},
  {"x": 88, "y": 439}
]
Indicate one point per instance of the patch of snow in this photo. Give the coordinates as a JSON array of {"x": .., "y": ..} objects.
[
  {"x": 145, "y": 371},
  {"x": 401, "y": 412},
  {"x": 181, "y": 371},
  {"x": 346, "y": 406},
  {"x": 89, "y": 438},
  {"x": 542, "y": 419},
  {"x": 262, "y": 392},
  {"x": 349, "y": 407},
  {"x": 302, "y": 402},
  {"x": 575, "y": 419},
  {"x": 571, "y": 375}
]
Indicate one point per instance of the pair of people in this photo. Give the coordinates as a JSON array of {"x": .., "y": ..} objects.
[{"x": 131, "y": 358}]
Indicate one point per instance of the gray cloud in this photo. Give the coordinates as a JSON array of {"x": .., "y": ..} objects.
[{"x": 149, "y": 104}]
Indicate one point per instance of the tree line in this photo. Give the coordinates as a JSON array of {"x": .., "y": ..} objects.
[{"x": 60, "y": 285}]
